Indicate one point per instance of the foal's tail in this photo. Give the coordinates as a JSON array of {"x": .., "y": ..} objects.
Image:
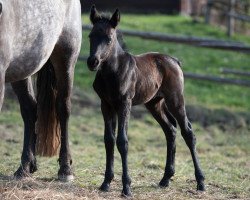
[{"x": 47, "y": 125}]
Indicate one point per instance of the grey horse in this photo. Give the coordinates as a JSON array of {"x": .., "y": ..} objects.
[{"x": 41, "y": 36}]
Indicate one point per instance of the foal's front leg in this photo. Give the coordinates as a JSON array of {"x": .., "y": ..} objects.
[
  {"x": 109, "y": 117},
  {"x": 122, "y": 143}
]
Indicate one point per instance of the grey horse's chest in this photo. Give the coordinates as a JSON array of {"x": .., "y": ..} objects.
[{"x": 37, "y": 30}]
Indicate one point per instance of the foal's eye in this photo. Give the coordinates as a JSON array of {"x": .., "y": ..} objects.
[{"x": 109, "y": 41}]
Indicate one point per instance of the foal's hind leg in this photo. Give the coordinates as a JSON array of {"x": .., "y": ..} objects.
[
  {"x": 25, "y": 94},
  {"x": 159, "y": 111},
  {"x": 176, "y": 105},
  {"x": 109, "y": 117}
]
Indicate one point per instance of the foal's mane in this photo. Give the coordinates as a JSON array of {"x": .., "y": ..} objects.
[{"x": 104, "y": 18}]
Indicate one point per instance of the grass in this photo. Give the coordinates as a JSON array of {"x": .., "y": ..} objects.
[
  {"x": 222, "y": 155},
  {"x": 221, "y": 123}
]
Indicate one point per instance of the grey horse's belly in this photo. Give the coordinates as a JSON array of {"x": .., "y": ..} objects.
[
  {"x": 39, "y": 25},
  {"x": 27, "y": 64}
]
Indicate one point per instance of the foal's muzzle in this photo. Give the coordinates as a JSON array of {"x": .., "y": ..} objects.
[{"x": 93, "y": 63}]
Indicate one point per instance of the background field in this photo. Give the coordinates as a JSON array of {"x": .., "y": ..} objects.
[{"x": 220, "y": 115}]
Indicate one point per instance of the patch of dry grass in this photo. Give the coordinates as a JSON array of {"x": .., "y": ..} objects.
[{"x": 223, "y": 154}]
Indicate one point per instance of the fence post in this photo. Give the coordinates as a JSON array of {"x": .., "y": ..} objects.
[
  {"x": 231, "y": 21},
  {"x": 208, "y": 11}
]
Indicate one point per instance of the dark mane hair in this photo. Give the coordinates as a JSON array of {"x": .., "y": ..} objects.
[
  {"x": 120, "y": 40},
  {"x": 105, "y": 17}
]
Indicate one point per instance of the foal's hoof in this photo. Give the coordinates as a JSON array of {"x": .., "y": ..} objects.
[
  {"x": 126, "y": 192},
  {"x": 65, "y": 174},
  {"x": 201, "y": 186},
  {"x": 164, "y": 183},
  {"x": 105, "y": 187}
]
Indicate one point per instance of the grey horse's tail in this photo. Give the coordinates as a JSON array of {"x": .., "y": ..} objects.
[{"x": 47, "y": 125}]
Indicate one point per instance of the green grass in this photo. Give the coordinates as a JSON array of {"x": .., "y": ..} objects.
[{"x": 222, "y": 156}]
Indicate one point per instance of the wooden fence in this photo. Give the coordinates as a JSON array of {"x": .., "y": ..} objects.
[
  {"x": 231, "y": 13},
  {"x": 190, "y": 40}
]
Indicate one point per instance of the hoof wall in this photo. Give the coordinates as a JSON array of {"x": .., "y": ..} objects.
[
  {"x": 164, "y": 183},
  {"x": 201, "y": 187},
  {"x": 105, "y": 187},
  {"x": 66, "y": 178}
]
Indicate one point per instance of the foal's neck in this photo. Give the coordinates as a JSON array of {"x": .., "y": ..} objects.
[
  {"x": 114, "y": 55},
  {"x": 114, "y": 62},
  {"x": 117, "y": 50}
]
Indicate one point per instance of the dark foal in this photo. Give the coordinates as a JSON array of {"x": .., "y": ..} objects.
[{"x": 123, "y": 80}]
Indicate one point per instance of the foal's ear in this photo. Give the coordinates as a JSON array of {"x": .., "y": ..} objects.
[
  {"x": 94, "y": 15},
  {"x": 115, "y": 19}
]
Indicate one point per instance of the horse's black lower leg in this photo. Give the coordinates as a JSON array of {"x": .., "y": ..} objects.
[
  {"x": 64, "y": 71},
  {"x": 63, "y": 106},
  {"x": 177, "y": 108},
  {"x": 190, "y": 140},
  {"x": 109, "y": 140},
  {"x": 122, "y": 144},
  {"x": 159, "y": 111},
  {"x": 65, "y": 161},
  {"x": 25, "y": 94}
]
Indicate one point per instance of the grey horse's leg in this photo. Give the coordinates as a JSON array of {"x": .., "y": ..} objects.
[
  {"x": 159, "y": 111},
  {"x": 64, "y": 60},
  {"x": 27, "y": 101}
]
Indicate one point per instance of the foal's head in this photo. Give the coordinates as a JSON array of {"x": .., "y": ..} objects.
[{"x": 102, "y": 37}]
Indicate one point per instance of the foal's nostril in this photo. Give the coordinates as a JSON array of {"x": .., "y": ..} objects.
[
  {"x": 96, "y": 62},
  {"x": 92, "y": 62}
]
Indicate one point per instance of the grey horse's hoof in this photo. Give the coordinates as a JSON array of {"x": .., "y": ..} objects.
[
  {"x": 21, "y": 174},
  {"x": 66, "y": 178}
]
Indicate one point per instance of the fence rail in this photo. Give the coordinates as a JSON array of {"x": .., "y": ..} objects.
[
  {"x": 189, "y": 40},
  {"x": 241, "y": 17},
  {"x": 218, "y": 79},
  {"x": 235, "y": 72}
]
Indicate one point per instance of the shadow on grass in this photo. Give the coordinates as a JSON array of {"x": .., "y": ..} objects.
[
  {"x": 5, "y": 177},
  {"x": 224, "y": 119}
]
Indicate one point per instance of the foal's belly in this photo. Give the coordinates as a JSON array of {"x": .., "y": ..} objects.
[{"x": 145, "y": 94}]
